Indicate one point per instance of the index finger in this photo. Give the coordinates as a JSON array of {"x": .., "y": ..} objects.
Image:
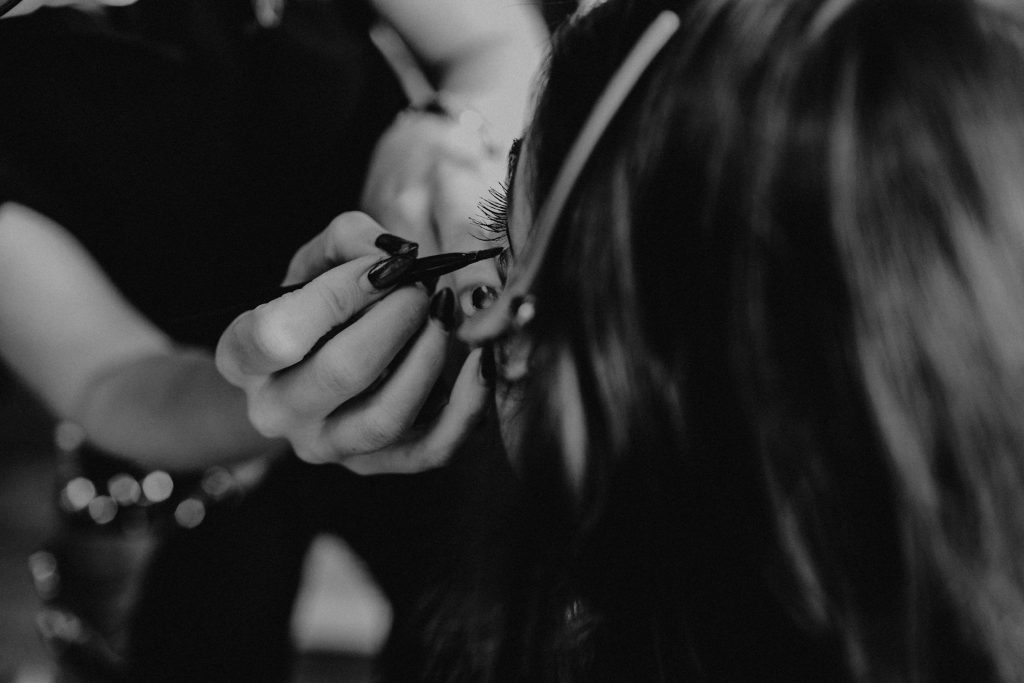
[
  {"x": 349, "y": 236},
  {"x": 280, "y": 333}
]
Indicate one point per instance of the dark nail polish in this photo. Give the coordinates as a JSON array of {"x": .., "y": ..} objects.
[
  {"x": 393, "y": 244},
  {"x": 431, "y": 284},
  {"x": 442, "y": 308},
  {"x": 488, "y": 369},
  {"x": 483, "y": 297},
  {"x": 387, "y": 272}
]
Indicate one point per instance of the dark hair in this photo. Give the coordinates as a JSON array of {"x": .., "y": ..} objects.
[{"x": 788, "y": 296}]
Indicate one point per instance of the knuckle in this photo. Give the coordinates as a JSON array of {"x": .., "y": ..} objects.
[
  {"x": 272, "y": 338},
  {"x": 351, "y": 222},
  {"x": 267, "y": 416},
  {"x": 227, "y": 365},
  {"x": 341, "y": 298},
  {"x": 338, "y": 228},
  {"x": 307, "y": 452}
]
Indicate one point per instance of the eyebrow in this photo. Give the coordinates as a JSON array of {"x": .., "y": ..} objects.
[{"x": 513, "y": 163}]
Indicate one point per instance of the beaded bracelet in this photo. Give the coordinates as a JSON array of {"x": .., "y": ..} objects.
[{"x": 101, "y": 490}]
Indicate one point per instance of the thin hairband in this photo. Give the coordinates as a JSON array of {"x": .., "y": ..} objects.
[
  {"x": 828, "y": 13},
  {"x": 492, "y": 321}
]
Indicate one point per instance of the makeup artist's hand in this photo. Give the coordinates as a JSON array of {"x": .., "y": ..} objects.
[
  {"x": 426, "y": 179},
  {"x": 342, "y": 366}
]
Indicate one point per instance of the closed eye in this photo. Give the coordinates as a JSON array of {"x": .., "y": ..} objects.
[{"x": 494, "y": 211}]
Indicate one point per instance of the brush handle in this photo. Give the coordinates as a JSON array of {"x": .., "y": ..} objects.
[{"x": 424, "y": 269}]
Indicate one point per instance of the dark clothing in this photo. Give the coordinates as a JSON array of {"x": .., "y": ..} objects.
[{"x": 219, "y": 597}]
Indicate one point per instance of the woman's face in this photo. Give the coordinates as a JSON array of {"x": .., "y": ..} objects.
[
  {"x": 29, "y": 6},
  {"x": 511, "y": 352},
  {"x": 510, "y": 369}
]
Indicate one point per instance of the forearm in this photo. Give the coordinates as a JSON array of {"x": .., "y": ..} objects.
[
  {"x": 94, "y": 359},
  {"x": 168, "y": 410}
]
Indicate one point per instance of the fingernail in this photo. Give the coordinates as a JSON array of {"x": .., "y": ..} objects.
[
  {"x": 483, "y": 297},
  {"x": 442, "y": 308},
  {"x": 393, "y": 244},
  {"x": 388, "y": 271},
  {"x": 488, "y": 370},
  {"x": 431, "y": 284}
]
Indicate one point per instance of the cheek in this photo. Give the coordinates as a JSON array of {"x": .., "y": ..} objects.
[
  {"x": 569, "y": 417},
  {"x": 511, "y": 423}
]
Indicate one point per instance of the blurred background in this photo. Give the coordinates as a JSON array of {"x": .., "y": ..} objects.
[
  {"x": 27, "y": 516},
  {"x": 340, "y": 618}
]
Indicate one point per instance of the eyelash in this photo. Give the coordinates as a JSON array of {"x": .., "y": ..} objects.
[
  {"x": 493, "y": 213},
  {"x": 493, "y": 218}
]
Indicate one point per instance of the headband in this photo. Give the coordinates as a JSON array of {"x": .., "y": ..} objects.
[{"x": 494, "y": 320}]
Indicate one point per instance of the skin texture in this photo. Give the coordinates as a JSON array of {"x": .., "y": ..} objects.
[{"x": 342, "y": 400}]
